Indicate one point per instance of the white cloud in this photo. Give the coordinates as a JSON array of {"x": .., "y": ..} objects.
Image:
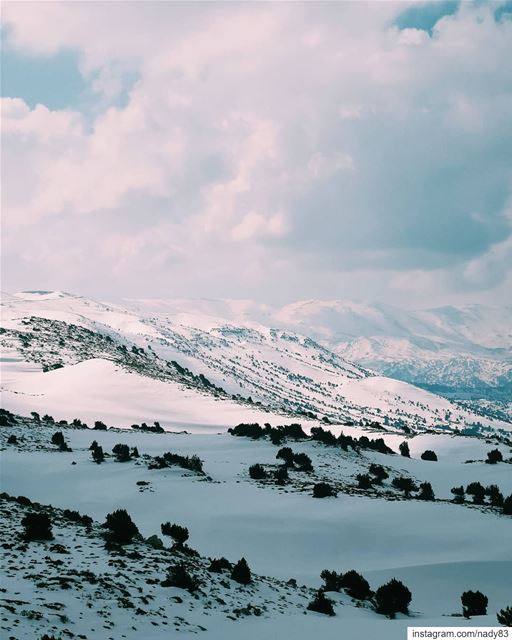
[{"x": 319, "y": 136}]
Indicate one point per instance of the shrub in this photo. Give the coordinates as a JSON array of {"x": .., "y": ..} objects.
[
  {"x": 404, "y": 449},
  {"x": 303, "y": 462},
  {"x": 257, "y": 472},
  {"x": 355, "y": 585},
  {"x": 281, "y": 475},
  {"x": 476, "y": 490},
  {"x": 97, "y": 455},
  {"x": 494, "y": 456},
  {"x": 178, "y": 576},
  {"x": 495, "y": 495},
  {"x": 429, "y": 455},
  {"x": 323, "y": 490},
  {"x": 392, "y": 598},
  {"x": 58, "y": 439},
  {"x": 38, "y": 526},
  {"x": 178, "y": 533},
  {"x": 285, "y": 454},
  {"x": 217, "y": 565},
  {"x": 507, "y": 506},
  {"x": 192, "y": 463},
  {"x": 426, "y": 492},
  {"x": 94, "y": 445},
  {"x": 404, "y": 484},
  {"x": 326, "y": 437},
  {"x": 241, "y": 572},
  {"x": 379, "y": 472},
  {"x": 505, "y": 617},
  {"x": 364, "y": 481},
  {"x": 121, "y": 526},
  {"x": 12, "y": 439},
  {"x": 121, "y": 452},
  {"x": 458, "y": 493},
  {"x": 332, "y": 580},
  {"x": 474, "y": 603},
  {"x": 253, "y": 430},
  {"x": 100, "y": 426},
  {"x": 321, "y": 604}
]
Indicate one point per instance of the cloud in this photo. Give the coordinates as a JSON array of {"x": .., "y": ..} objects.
[{"x": 317, "y": 141}]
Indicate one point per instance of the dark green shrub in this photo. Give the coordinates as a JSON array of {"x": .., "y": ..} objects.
[
  {"x": 218, "y": 565},
  {"x": 121, "y": 526},
  {"x": 355, "y": 585},
  {"x": 121, "y": 452},
  {"x": 38, "y": 526},
  {"x": 321, "y": 604},
  {"x": 429, "y": 455},
  {"x": 323, "y": 490},
  {"x": 458, "y": 494},
  {"x": 178, "y": 533},
  {"x": 332, "y": 580},
  {"x": 97, "y": 455},
  {"x": 476, "y": 490},
  {"x": 494, "y": 456},
  {"x": 364, "y": 481},
  {"x": 257, "y": 472},
  {"x": 505, "y": 617},
  {"x": 404, "y": 449},
  {"x": 474, "y": 603},
  {"x": 404, "y": 484},
  {"x": 426, "y": 492},
  {"x": 379, "y": 472},
  {"x": 241, "y": 572},
  {"x": 392, "y": 598},
  {"x": 178, "y": 576},
  {"x": 58, "y": 438}
]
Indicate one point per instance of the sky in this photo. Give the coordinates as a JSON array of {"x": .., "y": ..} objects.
[{"x": 271, "y": 151}]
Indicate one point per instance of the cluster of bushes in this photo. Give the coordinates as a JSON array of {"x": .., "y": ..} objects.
[
  {"x": 6, "y": 418},
  {"x": 352, "y": 582},
  {"x": 58, "y": 440},
  {"x": 319, "y": 434},
  {"x": 407, "y": 485},
  {"x": 276, "y": 434},
  {"x": 75, "y": 516},
  {"x": 123, "y": 453},
  {"x": 192, "y": 463},
  {"x": 389, "y": 599},
  {"x": 295, "y": 432},
  {"x": 297, "y": 461},
  {"x": 479, "y": 493},
  {"x": 155, "y": 428},
  {"x": 178, "y": 533}
]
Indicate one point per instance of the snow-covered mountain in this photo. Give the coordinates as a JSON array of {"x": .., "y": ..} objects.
[
  {"x": 197, "y": 363},
  {"x": 465, "y": 350}
]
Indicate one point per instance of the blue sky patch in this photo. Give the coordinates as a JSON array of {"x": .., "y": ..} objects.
[{"x": 424, "y": 16}]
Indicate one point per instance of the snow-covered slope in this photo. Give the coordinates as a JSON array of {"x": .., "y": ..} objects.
[
  {"x": 169, "y": 359},
  {"x": 437, "y": 548}
]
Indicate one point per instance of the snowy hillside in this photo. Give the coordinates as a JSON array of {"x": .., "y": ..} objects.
[
  {"x": 149, "y": 360},
  {"x": 77, "y": 583}
]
